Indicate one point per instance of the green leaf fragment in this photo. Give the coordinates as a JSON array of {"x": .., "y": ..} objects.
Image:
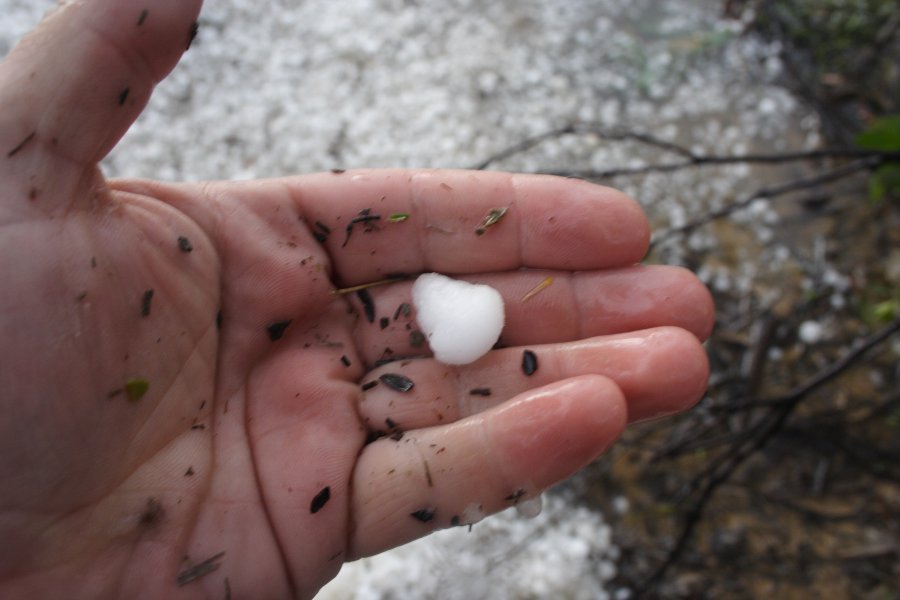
[
  {"x": 877, "y": 189},
  {"x": 492, "y": 218},
  {"x": 885, "y": 182},
  {"x": 882, "y": 135},
  {"x": 886, "y": 311},
  {"x": 398, "y": 217},
  {"x": 136, "y": 388}
]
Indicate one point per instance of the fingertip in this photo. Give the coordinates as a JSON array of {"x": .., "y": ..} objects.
[
  {"x": 682, "y": 300},
  {"x": 641, "y": 297},
  {"x": 680, "y": 376},
  {"x": 548, "y": 434},
  {"x": 694, "y": 364},
  {"x": 696, "y": 304},
  {"x": 580, "y": 224}
]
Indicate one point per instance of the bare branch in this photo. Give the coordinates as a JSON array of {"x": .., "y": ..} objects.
[
  {"x": 691, "y": 159},
  {"x": 770, "y": 193},
  {"x": 580, "y": 128},
  {"x": 839, "y": 366}
]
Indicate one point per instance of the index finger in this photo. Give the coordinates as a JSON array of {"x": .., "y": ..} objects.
[{"x": 379, "y": 223}]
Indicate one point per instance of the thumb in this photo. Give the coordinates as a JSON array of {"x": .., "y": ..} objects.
[{"x": 73, "y": 86}]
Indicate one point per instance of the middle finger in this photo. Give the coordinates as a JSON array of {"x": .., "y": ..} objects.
[{"x": 573, "y": 306}]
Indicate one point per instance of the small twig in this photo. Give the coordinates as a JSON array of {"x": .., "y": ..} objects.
[
  {"x": 365, "y": 286},
  {"x": 747, "y": 404}
]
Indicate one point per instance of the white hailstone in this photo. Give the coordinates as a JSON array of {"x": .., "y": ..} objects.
[
  {"x": 811, "y": 332},
  {"x": 621, "y": 505},
  {"x": 461, "y": 320},
  {"x": 473, "y": 513},
  {"x": 531, "y": 508}
]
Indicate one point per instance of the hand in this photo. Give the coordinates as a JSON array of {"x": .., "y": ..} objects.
[{"x": 181, "y": 386}]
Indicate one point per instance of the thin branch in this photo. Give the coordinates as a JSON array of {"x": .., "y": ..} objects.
[
  {"x": 705, "y": 438},
  {"x": 580, "y": 128},
  {"x": 839, "y": 366},
  {"x": 750, "y": 405},
  {"x": 765, "y": 337},
  {"x": 524, "y": 146},
  {"x": 714, "y": 160},
  {"x": 770, "y": 193},
  {"x": 692, "y": 159}
]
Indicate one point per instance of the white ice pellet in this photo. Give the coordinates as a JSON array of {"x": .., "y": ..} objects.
[
  {"x": 460, "y": 320},
  {"x": 621, "y": 505},
  {"x": 531, "y": 508},
  {"x": 473, "y": 513},
  {"x": 811, "y": 332}
]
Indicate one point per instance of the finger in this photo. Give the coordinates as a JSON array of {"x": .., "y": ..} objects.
[
  {"x": 549, "y": 222},
  {"x": 456, "y": 474},
  {"x": 544, "y": 307},
  {"x": 660, "y": 372},
  {"x": 73, "y": 86}
]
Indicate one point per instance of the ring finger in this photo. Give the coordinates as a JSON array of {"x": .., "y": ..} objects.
[{"x": 660, "y": 371}]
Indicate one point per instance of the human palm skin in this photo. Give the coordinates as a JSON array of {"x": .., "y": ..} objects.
[{"x": 182, "y": 388}]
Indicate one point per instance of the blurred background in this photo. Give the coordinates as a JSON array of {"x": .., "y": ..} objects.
[{"x": 762, "y": 138}]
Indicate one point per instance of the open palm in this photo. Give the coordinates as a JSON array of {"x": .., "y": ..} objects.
[{"x": 188, "y": 406}]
